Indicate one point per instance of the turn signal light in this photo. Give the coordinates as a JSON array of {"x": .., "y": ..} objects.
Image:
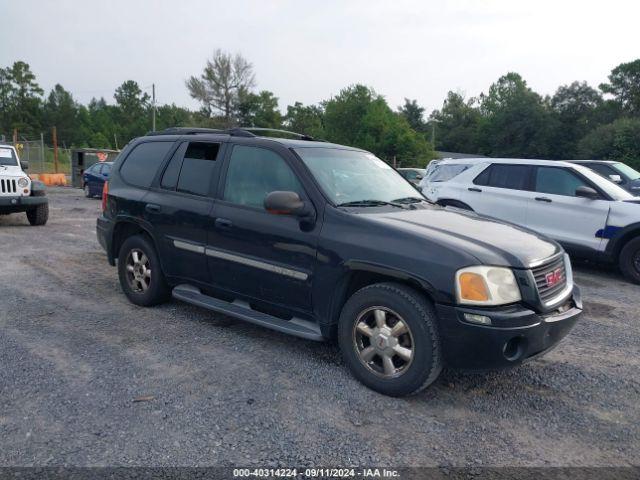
[
  {"x": 473, "y": 287},
  {"x": 105, "y": 192}
]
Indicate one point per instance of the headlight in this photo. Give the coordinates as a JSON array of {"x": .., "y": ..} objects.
[
  {"x": 23, "y": 182},
  {"x": 481, "y": 285}
]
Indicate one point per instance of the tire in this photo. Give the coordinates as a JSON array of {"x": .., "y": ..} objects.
[
  {"x": 39, "y": 215},
  {"x": 408, "y": 374},
  {"x": 629, "y": 260},
  {"x": 87, "y": 191},
  {"x": 140, "y": 288}
]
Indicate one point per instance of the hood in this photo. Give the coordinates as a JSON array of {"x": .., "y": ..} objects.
[
  {"x": 491, "y": 241},
  {"x": 11, "y": 171}
]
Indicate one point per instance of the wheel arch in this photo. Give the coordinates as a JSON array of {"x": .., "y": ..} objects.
[
  {"x": 125, "y": 228},
  {"x": 621, "y": 238}
]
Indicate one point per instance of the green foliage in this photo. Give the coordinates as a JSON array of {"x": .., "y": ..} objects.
[
  {"x": 413, "y": 114},
  {"x": 624, "y": 85},
  {"x": 259, "y": 110},
  {"x": 360, "y": 117},
  {"x": 619, "y": 140},
  {"x": 308, "y": 120},
  {"x": 456, "y": 127}
]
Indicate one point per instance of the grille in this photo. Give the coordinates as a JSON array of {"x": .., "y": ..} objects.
[
  {"x": 554, "y": 270},
  {"x": 7, "y": 185}
]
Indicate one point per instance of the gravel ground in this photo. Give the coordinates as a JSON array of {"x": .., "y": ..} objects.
[{"x": 74, "y": 354}]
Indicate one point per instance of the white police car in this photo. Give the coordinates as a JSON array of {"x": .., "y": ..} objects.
[{"x": 589, "y": 215}]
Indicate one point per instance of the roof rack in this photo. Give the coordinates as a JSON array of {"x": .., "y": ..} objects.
[{"x": 234, "y": 132}]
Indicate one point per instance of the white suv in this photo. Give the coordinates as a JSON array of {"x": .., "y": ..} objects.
[
  {"x": 589, "y": 215},
  {"x": 17, "y": 192}
]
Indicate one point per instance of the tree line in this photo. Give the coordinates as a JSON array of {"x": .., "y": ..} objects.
[{"x": 510, "y": 120}]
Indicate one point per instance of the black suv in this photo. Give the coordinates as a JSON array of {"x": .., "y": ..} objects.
[{"x": 324, "y": 241}]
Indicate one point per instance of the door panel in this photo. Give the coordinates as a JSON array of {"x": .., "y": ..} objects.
[
  {"x": 254, "y": 253},
  {"x": 564, "y": 217}
]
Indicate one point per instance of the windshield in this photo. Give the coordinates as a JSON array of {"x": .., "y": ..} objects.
[
  {"x": 7, "y": 157},
  {"x": 348, "y": 176},
  {"x": 613, "y": 190},
  {"x": 445, "y": 172},
  {"x": 627, "y": 171}
]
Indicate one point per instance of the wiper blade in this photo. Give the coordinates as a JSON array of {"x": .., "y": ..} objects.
[
  {"x": 410, "y": 200},
  {"x": 370, "y": 203}
]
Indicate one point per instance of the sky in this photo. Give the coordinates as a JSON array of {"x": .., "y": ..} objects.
[{"x": 309, "y": 50}]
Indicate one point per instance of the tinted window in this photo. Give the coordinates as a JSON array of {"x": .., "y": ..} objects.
[
  {"x": 170, "y": 176},
  {"x": 557, "y": 181},
  {"x": 198, "y": 168},
  {"x": 444, "y": 173},
  {"x": 255, "y": 172},
  {"x": 514, "y": 177},
  {"x": 142, "y": 163}
]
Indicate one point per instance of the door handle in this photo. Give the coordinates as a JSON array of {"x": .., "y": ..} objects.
[
  {"x": 223, "y": 223},
  {"x": 152, "y": 208},
  {"x": 543, "y": 199},
  {"x": 474, "y": 189}
]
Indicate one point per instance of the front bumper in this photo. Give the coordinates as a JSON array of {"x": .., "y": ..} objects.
[
  {"x": 516, "y": 334},
  {"x": 21, "y": 204}
]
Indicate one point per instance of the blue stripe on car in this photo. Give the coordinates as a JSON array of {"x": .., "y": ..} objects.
[{"x": 608, "y": 232}]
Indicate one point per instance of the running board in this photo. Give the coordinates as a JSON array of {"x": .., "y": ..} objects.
[{"x": 241, "y": 310}]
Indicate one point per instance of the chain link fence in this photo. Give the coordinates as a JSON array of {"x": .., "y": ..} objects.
[{"x": 41, "y": 156}]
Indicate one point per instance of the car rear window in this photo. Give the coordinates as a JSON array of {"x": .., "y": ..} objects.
[
  {"x": 444, "y": 173},
  {"x": 142, "y": 163},
  {"x": 192, "y": 168}
]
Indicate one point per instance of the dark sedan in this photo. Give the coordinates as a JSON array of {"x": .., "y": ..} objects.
[{"x": 94, "y": 177}]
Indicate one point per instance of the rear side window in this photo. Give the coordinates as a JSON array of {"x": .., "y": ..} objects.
[
  {"x": 444, "y": 173},
  {"x": 558, "y": 181},
  {"x": 514, "y": 177},
  {"x": 192, "y": 171},
  {"x": 142, "y": 163},
  {"x": 254, "y": 173}
]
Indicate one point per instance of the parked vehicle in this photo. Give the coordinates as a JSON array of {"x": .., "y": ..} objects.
[
  {"x": 618, "y": 172},
  {"x": 324, "y": 241},
  {"x": 94, "y": 177},
  {"x": 589, "y": 215},
  {"x": 444, "y": 170},
  {"x": 413, "y": 175},
  {"x": 17, "y": 192}
]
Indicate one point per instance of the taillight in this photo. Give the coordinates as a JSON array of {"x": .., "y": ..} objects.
[{"x": 105, "y": 192}]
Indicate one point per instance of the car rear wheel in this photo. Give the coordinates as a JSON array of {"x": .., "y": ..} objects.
[
  {"x": 141, "y": 277},
  {"x": 629, "y": 260},
  {"x": 389, "y": 339}
]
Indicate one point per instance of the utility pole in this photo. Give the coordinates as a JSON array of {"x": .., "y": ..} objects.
[
  {"x": 54, "y": 134},
  {"x": 15, "y": 137},
  {"x": 153, "y": 106},
  {"x": 115, "y": 139}
]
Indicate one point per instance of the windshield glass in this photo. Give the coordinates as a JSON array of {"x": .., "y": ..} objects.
[
  {"x": 352, "y": 176},
  {"x": 613, "y": 190},
  {"x": 627, "y": 171},
  {"x": 445, "y": 172},
  {"x": 7, "y": 157}
]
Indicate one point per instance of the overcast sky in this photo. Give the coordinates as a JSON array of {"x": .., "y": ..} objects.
[{"x": 308, "y": 50}]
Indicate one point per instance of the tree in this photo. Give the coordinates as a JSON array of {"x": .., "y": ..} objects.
[
  {"x": 61, "y": 110},
  {"x": 219, "y": 86},
  {"x": 619, "y": 140},
  {"x": 516, "y": 121},
  {"x": 456, "y": 126},
  {"x": 259, "y": 110},
  {"x": 132, "y": 110},
  {"x": 624, "y": 85},
  {"x": 576, "y": 107},
  {"x": 308, "y": 120},
  {"x": 413, "y": 114},
  {"x": 23, "y": 98},
  {"x": 360, "y": 117}
]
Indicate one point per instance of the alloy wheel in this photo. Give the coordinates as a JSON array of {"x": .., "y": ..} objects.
[
  {"x": 138, "y": 271},
  {"x": 383, "y": 342}
]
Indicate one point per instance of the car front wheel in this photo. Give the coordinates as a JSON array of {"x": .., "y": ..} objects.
[
  {"x": 141, "y": 277},
  {"x": 630, "y": 260},
  {"x": 388, "y": 337}
]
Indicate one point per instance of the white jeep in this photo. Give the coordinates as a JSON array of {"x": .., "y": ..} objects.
[{"x": 17, "y": 192}]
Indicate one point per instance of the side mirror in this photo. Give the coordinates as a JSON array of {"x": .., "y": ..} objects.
[
  {"x": 615, "y": 178},
  {"x": 587, "y": 192},
  {"x": 286, "y": 203},
  {"x": 419, "y": 177},
  {"x": 24, "y": 164}
]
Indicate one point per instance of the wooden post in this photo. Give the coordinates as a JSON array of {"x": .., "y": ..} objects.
[{"x": 54, "y": 134}]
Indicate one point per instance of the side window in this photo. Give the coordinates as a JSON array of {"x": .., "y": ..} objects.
[
  {"x": 513, "y": 177},
  {"x": 142, "y": 163},
  {"x": 254, "y": 173},
  {"x": 557, "y": 181},
  {"x": 198, "y": 167},
  {"x": 604, "y": 170}
]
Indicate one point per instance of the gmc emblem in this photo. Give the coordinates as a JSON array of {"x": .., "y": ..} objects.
[{"x": 555, "y": 277}]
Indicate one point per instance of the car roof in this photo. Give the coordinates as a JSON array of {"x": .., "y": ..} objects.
[
  {"x": 512, "y": 161},
  {"x": 591, "y": 161}
]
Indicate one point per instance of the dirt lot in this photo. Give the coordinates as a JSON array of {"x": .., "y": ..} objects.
[{"x": 74, "y": 354}]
